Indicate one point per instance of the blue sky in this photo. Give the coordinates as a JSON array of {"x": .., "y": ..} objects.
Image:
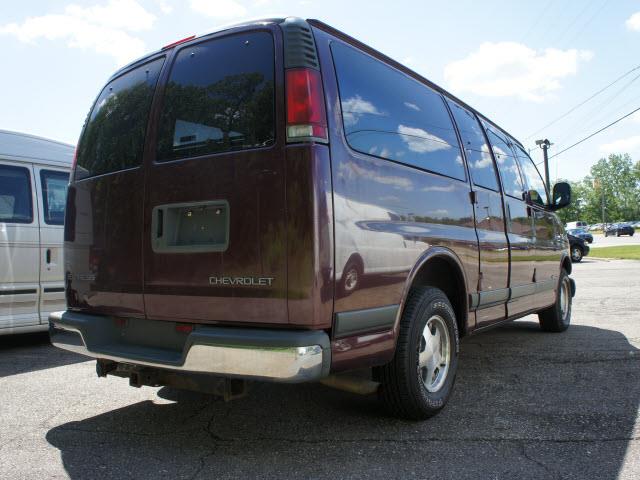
[{"x": 521, "y": 63}]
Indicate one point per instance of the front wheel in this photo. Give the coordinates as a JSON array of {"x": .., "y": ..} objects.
[
  {"x": 557, "y": 317},
  {"x": 576, "y": 254},
  {"x": 417, "y": 383}
]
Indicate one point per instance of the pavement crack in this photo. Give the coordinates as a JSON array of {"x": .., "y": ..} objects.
[{"x": 544, "y": 466}]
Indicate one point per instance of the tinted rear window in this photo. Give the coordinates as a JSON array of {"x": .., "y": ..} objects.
[
  {"x": 390, "y": 115},
  {"x": 15, "y": 195},
  {"x": 113, "y": 138},
  {"x": 220, "y": 97}
]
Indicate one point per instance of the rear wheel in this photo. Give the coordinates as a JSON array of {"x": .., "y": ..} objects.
[
  {"x": 557, "y": 317},
  {"x": 417, "y": 383},
  {"x": 576, "y": 254},
  {"x": 351, "y": 278}
]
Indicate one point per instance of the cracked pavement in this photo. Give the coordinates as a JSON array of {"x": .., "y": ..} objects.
[{"x": 526, "y": 405}]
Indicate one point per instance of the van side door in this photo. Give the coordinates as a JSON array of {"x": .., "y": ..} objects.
[
  {"x": 19, "y": 244},
  {"x": 51, "y": 187},
  {"x": 493, "y": 290},
  {"x": 519, "y": 225},
  {"x": 547, "y": 232}
]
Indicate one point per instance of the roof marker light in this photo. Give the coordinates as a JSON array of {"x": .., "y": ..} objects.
[{"x": 178, "y": 42}]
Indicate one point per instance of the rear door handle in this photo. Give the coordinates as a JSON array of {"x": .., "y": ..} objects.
[{"x": 48, "y": 255}]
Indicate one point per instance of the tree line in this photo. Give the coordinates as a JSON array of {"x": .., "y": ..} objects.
[{"x": 615, "y": 178}]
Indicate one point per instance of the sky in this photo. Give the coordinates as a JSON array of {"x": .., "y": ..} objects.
[{"x": 521, "y": 63}]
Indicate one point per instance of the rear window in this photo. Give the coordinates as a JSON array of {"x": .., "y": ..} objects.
[
  {"x": 219, "y": 98},
  {"x": 113, "y": 137},
  {"x": 15, "y": 195},
  {"x": 54, "y": 195},
  {"x": 390, "y": 115}
]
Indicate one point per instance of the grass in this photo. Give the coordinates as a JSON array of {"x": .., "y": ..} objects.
[{"x": 627, "y": 252}]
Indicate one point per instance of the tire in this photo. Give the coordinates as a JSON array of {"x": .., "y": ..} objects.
[
  {"x": 409, "y": 390},
  {"x": 576, "y": 255},
  {"x": 351, "y": 278},
  {"x": 557, "y": 317}
]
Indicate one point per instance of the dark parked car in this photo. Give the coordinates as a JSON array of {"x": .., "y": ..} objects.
[
  {"x": 583, "y": 234},
  {"x": 261, "y": 164},
  {"x": 578, "y": 248},
  {"x": 618, "y": 229}
]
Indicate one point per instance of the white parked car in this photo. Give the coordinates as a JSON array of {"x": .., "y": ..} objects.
[
  {"x": 34, "y": 173},
  {"x": 572, "y": 225}
]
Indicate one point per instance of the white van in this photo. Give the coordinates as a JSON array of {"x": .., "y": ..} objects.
[{"x": 34, "y": 173}]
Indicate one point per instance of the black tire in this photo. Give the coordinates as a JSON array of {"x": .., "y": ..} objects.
[
  {"x": 352, "y": 270},
  {"x": 403, "y": 388},
  {"x": 576, "y": 255},
  {"x": 554, "y": 319}
]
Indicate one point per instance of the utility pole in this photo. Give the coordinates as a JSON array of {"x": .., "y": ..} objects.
[
  {"x": 598, "y": 184},
  {"x": 545, "y": 144}
]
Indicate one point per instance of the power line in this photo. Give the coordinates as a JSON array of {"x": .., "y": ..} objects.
[
  {"x": 584, "y": 101},
  {"x": 599, "y": 112},
  {"x": 594, "y": 133}
]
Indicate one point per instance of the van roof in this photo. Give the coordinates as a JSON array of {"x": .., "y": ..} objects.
[
  {"x": 32, "y": 148},
  {"x": 343, "y": 36}
]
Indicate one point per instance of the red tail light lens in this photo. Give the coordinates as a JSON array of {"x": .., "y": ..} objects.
[{"x": 306, "y": 116}]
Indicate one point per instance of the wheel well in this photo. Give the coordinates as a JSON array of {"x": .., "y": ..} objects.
[
  {"x": 566, "y": 264},
  {"x": 357, "y": 259},
  {"x": 442, "y": 273}
]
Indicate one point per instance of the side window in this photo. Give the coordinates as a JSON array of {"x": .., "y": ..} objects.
[
  {"x": 113, "y": 137},
  {"x": 15, "y": 195},
  {"x": 219, "y": 98},
  {"x": 390, "y": 115},
  {"x": 507, "y": 165},
  {"x": 537, "y": 191},
  {"x": 54, "y": 195},
  {"x": 481, "y": 167}
]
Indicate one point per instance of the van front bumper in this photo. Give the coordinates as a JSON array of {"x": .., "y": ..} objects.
[{"x": 289, "y": 356}]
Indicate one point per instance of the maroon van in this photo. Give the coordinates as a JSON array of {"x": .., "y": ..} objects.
[{"x": 278, "y": 201}]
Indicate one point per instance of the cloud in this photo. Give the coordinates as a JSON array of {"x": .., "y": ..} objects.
[
  {"x": 506, "y": 69},
  {"x": 222, "y": 9},
  {"x": 100, "y": 28},
  {"x": 351, "y": 171},
  {"x": 412, "y": 106},
  {"x": 421, "y": 141},
  {"x": 439, "y": 188},
  {"x": 353, "y": 108},
  {"x": 623, "y": 145},
  {"x": 633, "y": 22}
]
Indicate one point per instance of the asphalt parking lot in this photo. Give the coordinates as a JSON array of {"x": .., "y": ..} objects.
[
  {"x": 526, "y": 405},
  {"x": 600, "y": 240}
]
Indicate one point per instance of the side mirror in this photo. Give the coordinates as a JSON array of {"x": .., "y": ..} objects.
[{"x": 561, "y": 196}]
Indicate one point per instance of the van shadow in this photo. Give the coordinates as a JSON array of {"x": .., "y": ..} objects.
[
  {"x": 526, "y": 404},
  {"x": 30, "y": 352}
]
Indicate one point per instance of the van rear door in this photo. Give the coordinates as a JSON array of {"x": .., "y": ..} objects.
[
  {"x": 104, "y": 213},
  {"x": 215, "y": 233}
]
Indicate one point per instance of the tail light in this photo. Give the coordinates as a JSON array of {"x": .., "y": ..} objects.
[{"x": 306, "y": 116}]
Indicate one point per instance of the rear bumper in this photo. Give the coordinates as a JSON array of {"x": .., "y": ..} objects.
[{"x": 261, "y": 354}]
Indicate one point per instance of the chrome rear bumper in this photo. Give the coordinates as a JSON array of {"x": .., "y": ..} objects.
[{"x": 261, "y": 354}]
